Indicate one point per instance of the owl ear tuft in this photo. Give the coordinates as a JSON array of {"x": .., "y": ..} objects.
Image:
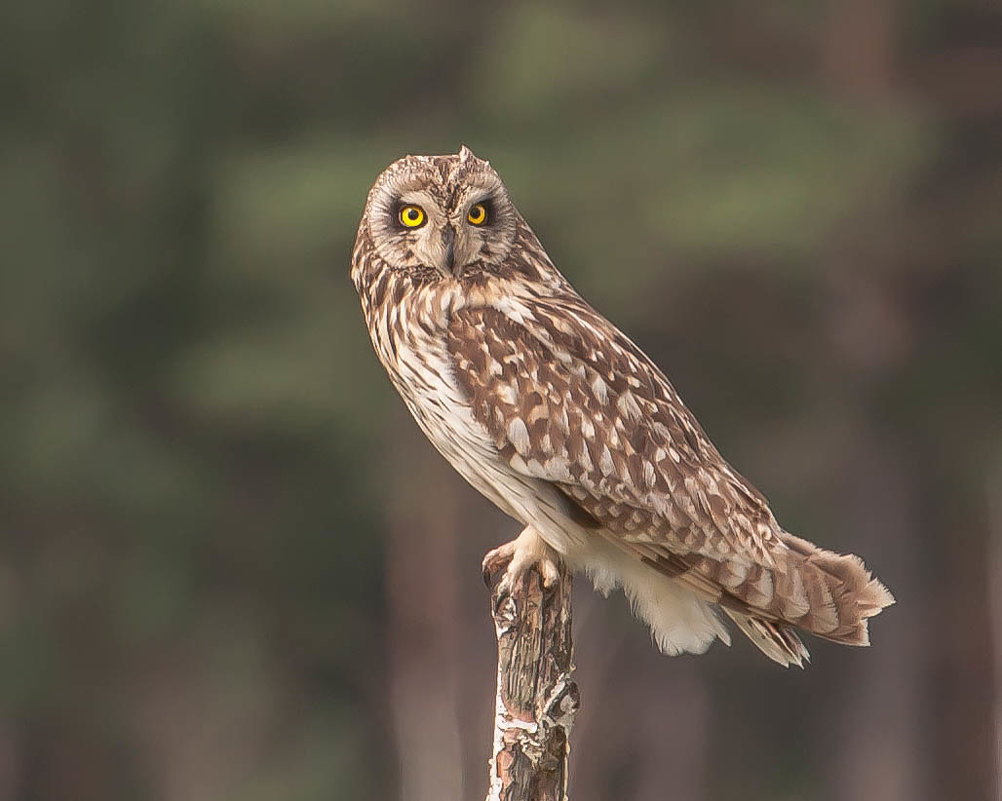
[{"x": 465, "y": 154}]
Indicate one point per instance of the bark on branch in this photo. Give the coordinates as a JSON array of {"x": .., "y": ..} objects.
[{"x": 536, "y": 697}]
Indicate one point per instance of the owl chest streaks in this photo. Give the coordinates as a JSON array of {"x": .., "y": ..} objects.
[{"x": 409, "y": 336}]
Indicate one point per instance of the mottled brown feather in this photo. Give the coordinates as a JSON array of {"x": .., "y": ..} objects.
[{"x": 635, "y": 460}]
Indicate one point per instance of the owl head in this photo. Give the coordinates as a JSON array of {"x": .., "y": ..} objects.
[{"x": 440, "y": 217}]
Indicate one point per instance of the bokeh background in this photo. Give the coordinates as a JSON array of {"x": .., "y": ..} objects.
[{"x": 230, "y": 565}]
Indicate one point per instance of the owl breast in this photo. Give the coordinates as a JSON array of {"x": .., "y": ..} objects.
[{"x": 410, "y": 340}]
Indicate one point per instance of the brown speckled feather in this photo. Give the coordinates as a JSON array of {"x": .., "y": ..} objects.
[{"x": 569, "y": 399}]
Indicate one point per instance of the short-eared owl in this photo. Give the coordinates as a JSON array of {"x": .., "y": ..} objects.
[{"x": 557, "y": 417}]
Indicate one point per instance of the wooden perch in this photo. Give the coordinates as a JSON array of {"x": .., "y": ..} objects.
[{"x": 536, "y": 697}]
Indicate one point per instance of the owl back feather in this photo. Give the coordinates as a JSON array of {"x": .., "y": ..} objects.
[{"x": 570, "y": 400}]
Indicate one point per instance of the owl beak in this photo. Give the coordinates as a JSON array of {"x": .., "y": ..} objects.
[{"x": 449, "y": 245}]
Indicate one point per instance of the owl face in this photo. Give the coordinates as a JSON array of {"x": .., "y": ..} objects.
[{"x": 443, "y": 217}]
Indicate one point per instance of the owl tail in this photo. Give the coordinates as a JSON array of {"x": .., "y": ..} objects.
[
  {"x": 827, "y": 594},
  {"x": 844, "y": 594}
]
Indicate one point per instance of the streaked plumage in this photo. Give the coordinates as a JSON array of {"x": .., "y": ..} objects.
[{"x": 557, "y": 417}]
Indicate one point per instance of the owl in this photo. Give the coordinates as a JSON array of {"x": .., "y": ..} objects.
[{"x": 555, "y": 415}]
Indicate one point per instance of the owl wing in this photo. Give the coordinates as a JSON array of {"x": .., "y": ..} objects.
[{"x": 570, "y": 400}]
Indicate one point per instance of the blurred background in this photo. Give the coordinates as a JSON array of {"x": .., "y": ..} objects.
[{"x": 231, "y": 566}]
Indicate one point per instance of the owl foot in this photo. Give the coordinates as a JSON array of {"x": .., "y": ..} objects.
[{"x": 523, "y": 552}]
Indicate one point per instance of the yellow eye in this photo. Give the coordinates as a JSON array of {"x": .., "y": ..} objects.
[
  {"x": 477, "y": 214},
  {"x": 412, "y": 216}
]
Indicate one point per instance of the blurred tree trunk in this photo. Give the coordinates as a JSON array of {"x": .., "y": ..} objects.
[
  {"x": 993, "y": 499},
  {"x": 879, "y": 704},
  {"x": 648, "y": 720},
  {"x": 858, "y": 50},
  {"x": 422, "y": 587},
  {"x": 880, "y": 728}
]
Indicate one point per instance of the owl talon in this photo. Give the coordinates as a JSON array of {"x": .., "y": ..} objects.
[
  {"x": 497, "y": 559},
  {"x": 551, "y": 573},
  {"x": 518, "y": 556}
]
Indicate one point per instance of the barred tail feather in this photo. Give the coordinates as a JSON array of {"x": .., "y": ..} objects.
[
  {"x": 833, "y": 595},
  {"x": 777, "y": 641},
  {"x": 826, "y": 594},
  {"x": 854, "y": 592}
]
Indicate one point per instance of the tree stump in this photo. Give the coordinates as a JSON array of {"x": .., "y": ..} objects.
[{"x": 536, "y": 697}]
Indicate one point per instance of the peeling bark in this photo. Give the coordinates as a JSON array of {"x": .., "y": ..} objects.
[{"x": 536, "y": 696}]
